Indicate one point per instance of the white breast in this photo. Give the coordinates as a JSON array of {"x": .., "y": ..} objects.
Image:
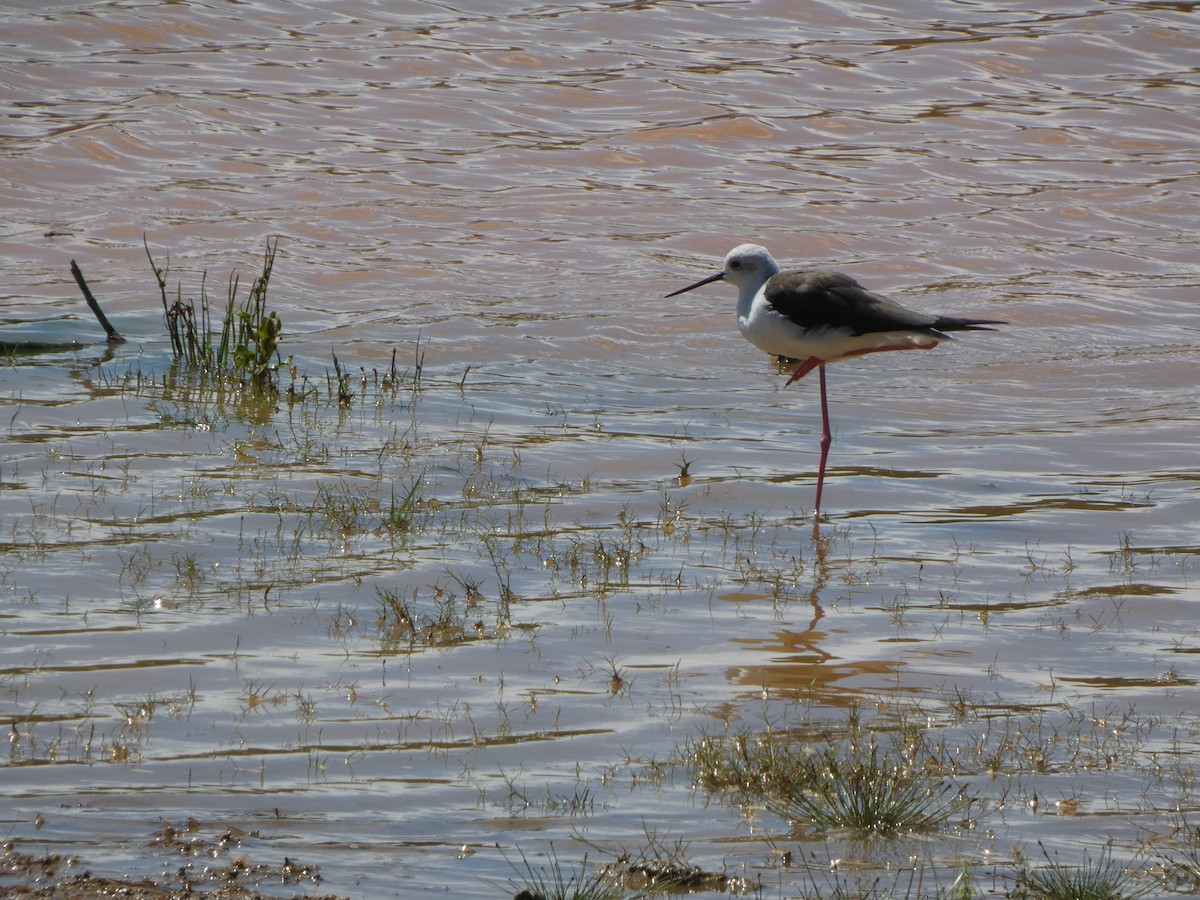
[{"x": 770, "y": 332}]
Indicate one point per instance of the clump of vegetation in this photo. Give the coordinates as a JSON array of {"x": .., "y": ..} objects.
[
  {"x": 748, "y": 764},
  {"x": 866, "y": 791},
  {"x": 246, "y": 348},
  {"x": 659, "y": 865},
  {"x": 51, "y": 875},
  {"x": 403, "y": 625},
  {"x": 1103, "y": 878},
  {"x": 852, "y": 786},
  {"x": 553, "y": 882},
  {"x": 1181, "y": 869}
]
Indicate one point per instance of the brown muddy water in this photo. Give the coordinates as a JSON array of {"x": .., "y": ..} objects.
[{"x": 220, "y": 615}]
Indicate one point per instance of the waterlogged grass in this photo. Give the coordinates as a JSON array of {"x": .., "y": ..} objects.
[
  {"x": 245, "y": 348},
  {"x": 863, "y": 790},
  {"x": 1097, "y": 878},
  {"x": 833, "y": 786},
  {"x": 656, "y": 869},
  {"x": 556, "y": 881},
  {"x": 366, "y": 583}
]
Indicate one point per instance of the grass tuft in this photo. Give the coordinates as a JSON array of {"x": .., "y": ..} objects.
[
  {"x": 865, "y": 791},
  {"x": 553, "y": 882},
  {"x": 246, "y": 348},
  {"x": 1097, "y": 879},
  {"x": 849, "y": 786}
]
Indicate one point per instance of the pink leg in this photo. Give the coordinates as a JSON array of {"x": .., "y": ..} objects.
[
  {"x": 826, "y": 440},
  {"x": 804, "y": 368},
  {"x": 812, "y": 362}
]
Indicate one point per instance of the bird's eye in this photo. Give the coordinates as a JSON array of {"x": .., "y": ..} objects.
[{"x": 735, "y": 264}]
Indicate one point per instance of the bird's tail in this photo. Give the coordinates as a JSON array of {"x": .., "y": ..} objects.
[{"x": 949, "y": 323}]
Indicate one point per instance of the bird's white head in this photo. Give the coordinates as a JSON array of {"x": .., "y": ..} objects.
[{"x": 749, "y": 265}]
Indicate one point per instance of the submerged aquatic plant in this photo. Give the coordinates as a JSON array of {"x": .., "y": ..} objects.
[
  {"x": 865, "y": 791},
  {"x": 553, "y": 882},
  {"x": 246, "y": 348},
  {"x": 1103, "y": 878},
  {"x": 832, "y": 786}
]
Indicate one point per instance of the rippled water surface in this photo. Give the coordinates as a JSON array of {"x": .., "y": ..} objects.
[{"x": 485, "y": 609}]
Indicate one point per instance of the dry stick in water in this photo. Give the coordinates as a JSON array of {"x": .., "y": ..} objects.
[{"x": 114, "y": 337}]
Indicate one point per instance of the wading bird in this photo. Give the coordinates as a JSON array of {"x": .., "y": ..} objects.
[{"x": 815, "y": 316}]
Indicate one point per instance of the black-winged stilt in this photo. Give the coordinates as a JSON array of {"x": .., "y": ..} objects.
[{"x": 815, "y": 316}]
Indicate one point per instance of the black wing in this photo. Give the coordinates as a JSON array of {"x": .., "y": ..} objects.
[{"x": 819, "y": 298}]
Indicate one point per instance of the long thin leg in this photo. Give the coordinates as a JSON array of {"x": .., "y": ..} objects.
[
  {"x": 804, "y": 368},
  {"x": 826, "y": 440},
  {"x": 813, "y": 361}
]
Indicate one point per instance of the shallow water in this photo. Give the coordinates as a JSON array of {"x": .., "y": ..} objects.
[{"x": 192, "y": 623}]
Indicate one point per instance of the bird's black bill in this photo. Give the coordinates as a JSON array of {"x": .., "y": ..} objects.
[{"x": 691, "y": 287}]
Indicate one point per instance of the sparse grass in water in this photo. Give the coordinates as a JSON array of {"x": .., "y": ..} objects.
[
  {"x": 819, "y": 771},
  {"x": 915, "y": 882},
  {"x": 1103, "y": 878},
  {"x": 403, "y": 626},
  {"x": 246, "y": 348},
  {"x": 865, "y": 791},
  {"x": 834, "y": 786},
  {"x": 663, "y": 866},
  {"x": 552, "y": 882},
  {"x": 400, "y": 511}
]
